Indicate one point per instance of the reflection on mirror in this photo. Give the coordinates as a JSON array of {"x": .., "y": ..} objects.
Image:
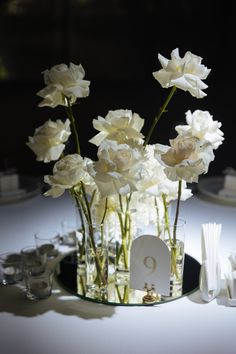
[{"x": 73, "y": 280}]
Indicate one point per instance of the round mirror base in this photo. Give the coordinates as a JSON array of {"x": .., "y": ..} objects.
[{"x": 122, "y": 295}]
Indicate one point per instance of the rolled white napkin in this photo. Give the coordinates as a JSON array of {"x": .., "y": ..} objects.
[{"x": 210, "y": 274}]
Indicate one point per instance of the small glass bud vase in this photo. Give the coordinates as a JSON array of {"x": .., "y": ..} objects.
[
  {"x": 125, "y": 234},
  {"x": 174, "y": 235},
  {"x": 96, "y": 260}
]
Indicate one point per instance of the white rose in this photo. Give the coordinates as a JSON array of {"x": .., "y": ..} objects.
[
  {"x": 48, "y": 140},
  {"x": 202, "y": 126},
  {"x": 114, "y": 169},
  {"x": 119, "y": 125},
  {"x": 148, "y": 172},
  {"x": 148, "y": 209},
  {"x": 155, "y": 182},
  {"x": 170, "y": 190},
  {"x": 185, "y": 73},
  {"x": 62, "y": 81},
  {"x": 67, "y": 173},
  {"x": 186, "y": 159}
]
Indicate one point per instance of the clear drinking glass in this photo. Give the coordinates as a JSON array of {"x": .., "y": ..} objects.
[
  {"x": 96, "y": 260},
  {"x": 48, "y": 241},
  {"x": 10, "y": 268},
  {"x": 69, "y": 232},
  {"x": 38, "y": 287},
  {"x": 33, "y": 260},
  {"x": 174, "y": 235}
]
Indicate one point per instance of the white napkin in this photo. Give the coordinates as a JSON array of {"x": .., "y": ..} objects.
[
  {"x": 230, "y": 278},
  {"x": 231, "y": 283},
  {"x": 232, "y": 259},
  {"x": 231, "y": 287},
  {"x": 210, "y": 274}
]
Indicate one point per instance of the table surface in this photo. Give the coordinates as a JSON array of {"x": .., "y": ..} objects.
[{"x": 66, "y": 324}]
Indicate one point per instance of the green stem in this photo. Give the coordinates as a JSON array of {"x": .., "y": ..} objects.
[
  {"x": 81, "y": 280},
  {"x": 121, "y": 204},
  {"x": 157, "y": 216},
  {"x": 79, "y": 206},
  {"x": 91, "y": 235},
  {"x": 105, "y": 210},
  {"x": 166, "y": 218},
  {"x": 118, "y": 293},
  {"x": 125, "y": 229},
  {"x": 103, "y": 218},
  {"x": 177, "y": 211},
  {"x": 92, "y": 198},
  {"x": 123, "y": 241},
  {"x": 126, "y": 294},
  {"x": 161, "y": 111},
  {"x": 82, "y": 247},
  {"x": 71, "y": 117},
  {"x": 174, "y": 248}
]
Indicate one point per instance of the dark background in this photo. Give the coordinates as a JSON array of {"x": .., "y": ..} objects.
[{"x": 117, "y": 42}]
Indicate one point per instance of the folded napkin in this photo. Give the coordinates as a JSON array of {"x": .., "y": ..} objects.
[
  {"x": 231, "y": 287},
  {"x": 210, "y": 274},
  {"x": 231, "y": 283}
]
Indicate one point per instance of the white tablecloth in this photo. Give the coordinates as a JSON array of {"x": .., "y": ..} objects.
[{"x": 65, "y": 324}]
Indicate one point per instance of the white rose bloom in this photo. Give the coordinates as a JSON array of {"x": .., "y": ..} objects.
[
  {"x": 148, "y": 209},
  {"x": 185, "y": 73},
  {"x": 148, "y": 172},
  {"x": 67, "y": 173},
  {"x": 186, "y": 159},
  {"x": 170, "y": 190},
  {"x": 114, "y": 169},
  {"x": 202, "y": 126},
  {"x": 62, "y": 81},
  {"x": 119, "y": 125},
  {"x": 48, "y": 140}
]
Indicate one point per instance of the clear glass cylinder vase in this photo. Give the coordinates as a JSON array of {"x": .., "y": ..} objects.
[
  {"x": 125, "y": 234},
  {"x": 96, "y": 260},
  {"x": 173, "y": 233}
]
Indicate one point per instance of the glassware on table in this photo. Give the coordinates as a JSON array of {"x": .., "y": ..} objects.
[
  {"x": 96, "y": 259},
  {"x": 69, "y": 234},
  {"x": 39, "y": 287},
  {"x": 33, "y": 260},
  {"x": 10, "y": 268},
  {"x": 48, "y": 242},
  {"x": 174, "y": 236}
]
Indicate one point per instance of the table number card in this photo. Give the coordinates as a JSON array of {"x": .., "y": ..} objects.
[{"x": 150, "y": 264}]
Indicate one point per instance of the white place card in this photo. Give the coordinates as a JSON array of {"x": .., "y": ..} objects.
[{"x": 150, "y": 264}]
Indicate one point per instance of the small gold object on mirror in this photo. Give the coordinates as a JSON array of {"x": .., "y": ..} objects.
[{"x": 151, "y": 296}]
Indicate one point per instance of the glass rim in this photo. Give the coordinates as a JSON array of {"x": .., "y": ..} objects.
[
  {"x": 25, "y": 250},
  {"x": 38, "y": 236},
  {"x": 46, "y": 273},
  {"x": 3, "y": 257}
]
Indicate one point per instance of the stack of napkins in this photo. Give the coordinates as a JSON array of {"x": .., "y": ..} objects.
[
  {"x": 231, "y": 280},
  {"x": 210, "y": 274},
  {"x": 229, "y": 186}
]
